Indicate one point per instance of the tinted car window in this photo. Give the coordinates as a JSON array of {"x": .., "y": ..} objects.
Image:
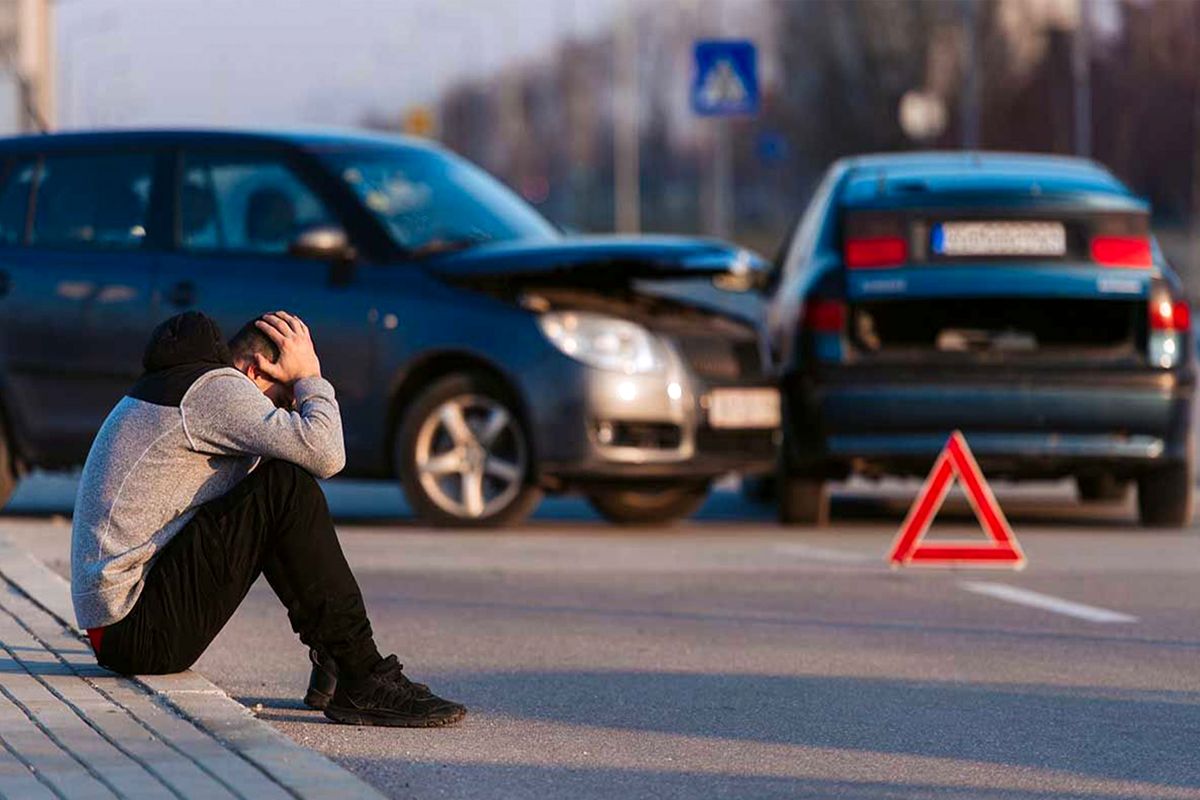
[
  {"x": 240, "y": 205},
  {"x": 430, "y": 201},
  {"x": 93, "y": 200},
  {"x": 14, "y": 201}
]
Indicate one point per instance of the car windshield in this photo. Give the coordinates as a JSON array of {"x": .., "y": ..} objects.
[{"x": 432, "y": 202}]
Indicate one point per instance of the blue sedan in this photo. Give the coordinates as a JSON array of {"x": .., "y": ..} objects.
[{"x": 1018, "y": 298}]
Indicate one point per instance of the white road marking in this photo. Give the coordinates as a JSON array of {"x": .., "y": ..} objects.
[
  {"x": 822, "y": 553},
  {"x": 1026, "y": 597}
]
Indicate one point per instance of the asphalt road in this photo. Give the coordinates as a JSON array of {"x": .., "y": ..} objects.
[{"x": 732, "y": 658}]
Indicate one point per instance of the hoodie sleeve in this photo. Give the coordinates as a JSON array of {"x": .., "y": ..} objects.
[{"x": 224, "y": 413}]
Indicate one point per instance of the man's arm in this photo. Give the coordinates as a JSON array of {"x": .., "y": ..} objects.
[{"x": 226, "y": 414}]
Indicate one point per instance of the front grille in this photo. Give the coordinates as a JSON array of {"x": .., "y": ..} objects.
[
  {"x": 751, "y": 443},
  {"x": 721, "y": 358}
]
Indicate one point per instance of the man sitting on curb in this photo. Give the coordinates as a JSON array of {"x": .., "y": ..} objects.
[{"x": 202, "y": 478}]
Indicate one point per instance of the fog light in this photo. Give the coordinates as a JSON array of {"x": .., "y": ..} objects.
[
  {"x": 626, "y": 391},
  {"x": 674, "y": 391},
  {"x": 604, "y": 433}
]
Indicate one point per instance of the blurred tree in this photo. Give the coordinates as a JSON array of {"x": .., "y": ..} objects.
[
  {"x": 1145, "y": 103},
  {"x": 846, "y": 66}
]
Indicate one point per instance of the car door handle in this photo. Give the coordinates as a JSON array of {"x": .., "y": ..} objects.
[
  {"x": 182, "y": 294},
  {"x": 5, "y": 282}
]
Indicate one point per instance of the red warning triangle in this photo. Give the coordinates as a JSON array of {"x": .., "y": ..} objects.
[{"x": 956, "y": 461}]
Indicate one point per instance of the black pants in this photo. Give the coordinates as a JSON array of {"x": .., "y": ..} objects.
[{"x": 275, "y": 523}]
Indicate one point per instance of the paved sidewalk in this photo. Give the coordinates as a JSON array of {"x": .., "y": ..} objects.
[{"x": 71, "y": 729}]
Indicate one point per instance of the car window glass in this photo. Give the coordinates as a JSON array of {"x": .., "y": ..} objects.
[
  {"x": 255, "y": 206},
  {"x": 432, "y": 201},
  {"x": 14, "y": 201},
  {"x": 93, "y": 200}
]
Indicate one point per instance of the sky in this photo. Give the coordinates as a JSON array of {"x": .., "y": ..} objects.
[{"x": 288, "y": 62}]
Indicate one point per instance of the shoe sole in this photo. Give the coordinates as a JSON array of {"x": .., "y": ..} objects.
[{"x": 354, "y": 716}]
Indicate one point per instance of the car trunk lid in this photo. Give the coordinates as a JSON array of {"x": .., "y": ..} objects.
[{"x": 1046, "y": 282}]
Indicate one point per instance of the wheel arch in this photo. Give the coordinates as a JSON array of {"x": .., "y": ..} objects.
[{"x": 408, "y": 386}]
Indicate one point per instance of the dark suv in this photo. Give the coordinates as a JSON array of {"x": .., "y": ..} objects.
[
  {"x": 477, "y": 354},
  {"x": 1018, "y": 298}
]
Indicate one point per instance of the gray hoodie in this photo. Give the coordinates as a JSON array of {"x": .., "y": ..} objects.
[{"x": 171, "y": 446}]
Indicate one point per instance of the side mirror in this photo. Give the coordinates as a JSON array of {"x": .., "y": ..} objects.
[{"x": 327, "y": 243}]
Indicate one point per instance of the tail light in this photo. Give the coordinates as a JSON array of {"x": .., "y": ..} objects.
[
  {"x": 824, "y": 316},
  {"x": 1122, "y": 251},
  {"x": 875, "y": 252},
  {"x": 1170, "y": 315}
]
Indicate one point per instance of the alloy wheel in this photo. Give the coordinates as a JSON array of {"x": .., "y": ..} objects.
[{"x": 470, "y": 456}]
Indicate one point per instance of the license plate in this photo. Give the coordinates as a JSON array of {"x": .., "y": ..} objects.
[
  {"x": 999, "y": 239},
  {"x": 743, "y": 408}
]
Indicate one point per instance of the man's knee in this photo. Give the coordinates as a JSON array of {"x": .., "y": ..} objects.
[
  {"x": 288, "y": 473},
  {"x": 292, "y": 482}
]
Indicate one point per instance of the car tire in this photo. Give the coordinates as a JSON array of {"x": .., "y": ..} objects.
[
  {"x": 803, "y": 501},
  {"x": 1102, "y": 488},
  {"x": 1165, "y": 496},
  {"x": 463, "y": 455},
  {"x": 8, "y": 472},
  {"x": 648, "y": 506}
]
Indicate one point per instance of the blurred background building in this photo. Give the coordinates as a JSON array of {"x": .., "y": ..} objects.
[{"x": 544, "y": 92}]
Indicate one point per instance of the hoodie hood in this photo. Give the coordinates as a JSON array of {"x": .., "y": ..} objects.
[{"x": 180, "y": 350}]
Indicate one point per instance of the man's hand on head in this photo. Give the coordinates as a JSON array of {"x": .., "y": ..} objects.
[{"x": 297, "y": 358}]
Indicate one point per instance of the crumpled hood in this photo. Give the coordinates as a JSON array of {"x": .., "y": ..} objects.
[
  {"x": 599, "y": 259},
  {"x": 180, "y": 350}
]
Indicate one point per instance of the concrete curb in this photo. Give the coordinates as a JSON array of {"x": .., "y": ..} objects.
[{"x": 301, "y": 772}]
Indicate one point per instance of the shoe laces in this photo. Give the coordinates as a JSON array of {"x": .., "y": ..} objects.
[{"x": 391, "y": 684}]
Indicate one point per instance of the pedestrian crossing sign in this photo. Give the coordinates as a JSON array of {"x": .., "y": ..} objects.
[{"x": 725, "y": 82}]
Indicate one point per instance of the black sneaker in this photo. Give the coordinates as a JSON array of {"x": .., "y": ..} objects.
[
  {"x": 322, "y": 681},
  {"x": 386, "y": 697}
]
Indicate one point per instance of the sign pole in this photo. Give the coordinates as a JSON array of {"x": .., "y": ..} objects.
[
  {"x": 626, "y": 145},
  {"x": 970, "y": 105},
  {"x": 724, "y": 85},
  {"x": 720, "y": 223}
]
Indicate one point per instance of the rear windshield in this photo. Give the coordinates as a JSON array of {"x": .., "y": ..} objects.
[{"x": 999, "y": 182}]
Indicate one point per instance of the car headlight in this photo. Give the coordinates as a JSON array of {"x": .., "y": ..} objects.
[{"x": 604, "y": 342}]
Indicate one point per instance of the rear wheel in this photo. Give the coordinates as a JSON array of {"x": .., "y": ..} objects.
[
  {"x": 803, "y": 500},
  {"x": 8, "y": 473},
  {"x": 1103, "y": 488},
  {"x": 1165, "y": 496},
  {"x": 463, "y": 454},
  {"x": 648, "y": 506}
]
